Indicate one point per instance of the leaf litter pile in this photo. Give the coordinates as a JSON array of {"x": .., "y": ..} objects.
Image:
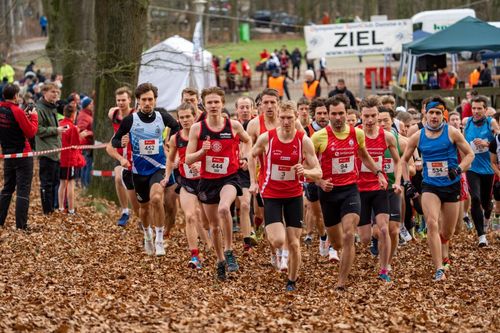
[{"x": 84, "y": 273}]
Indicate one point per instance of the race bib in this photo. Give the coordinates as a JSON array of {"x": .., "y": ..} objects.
[
  {"x": 190, "y": 173},
  {"x": 341, "y": 165},
  {"x": 388, "y": 165},
  {"x": 476, "y": 149},
  {"x": 149, "y": 147},
  {"x": 217, "y": 165},
  {"x": 282, "y": 172},
  {"x": 378, "y": 163},
  {"x": 437, "y": 169}
]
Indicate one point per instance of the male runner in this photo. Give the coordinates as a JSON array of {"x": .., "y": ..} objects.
[
  {"x": 190, "y": 95},
  {"x": 148, "y": 161},
  {"x": 374, "y": 198},
  {"x": 285, "y": 149},
  {"x": 479, "y": 131},
  {"x": 337, "y": 146},
  {"x": 123, "y": 177},
  {"x": 438, "y": 144},
  {"x": 215, "y": 142},
  {"x": 189, "y": 177},
  {"x": 244, "y": 107},
  {"x": 304, "y": 112}
]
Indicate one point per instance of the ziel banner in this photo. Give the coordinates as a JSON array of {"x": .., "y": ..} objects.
[{"x": 360, "y": 38}]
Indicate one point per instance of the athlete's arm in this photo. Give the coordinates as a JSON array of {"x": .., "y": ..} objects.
[
  {"x": 124, "y": 129},
  {"x": 171, "y": 157},
  {"x": 117, "y": 156},
  {"x": 192, "y": 155},
  {"x": 169, "y": 121},
  {"x": 403, "y": 142},
  {"x": 391, "y": 142},
  {"x": 111, "y": 112},
  {"x": 244, "y": 137},
  {"x": 258, "y": 149},
  {"x": 313, "y": 169},
  {"x": 494, "y": 127},
  {"x": 410, "y": 148},
  {"x": 412, "y": 130},
  {"x": 298, "y": 126},
  {"x": 464, "y": 148},
  {"x": 252, "y": 129},
  {"x": 494, "y": 164}
]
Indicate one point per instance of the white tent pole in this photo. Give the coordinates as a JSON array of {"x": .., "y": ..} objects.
[
  {"x": 402, "y": 63},
  {"x": 408, "y": 76},
  {"x": 414, "y": 65}
]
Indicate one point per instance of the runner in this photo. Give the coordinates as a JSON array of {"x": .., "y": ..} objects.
[
  {"x": 304, "y": 112},
  {"x": 479, "y": 131},
  {"x": 266, "y": 121},
  {"x": 385, "y": 118},
  {"x": 284, "y": 149},
  {"x": 438, "y": 144},
  {"x": 148, "y": 161},
  {"x": 244, "y": 107},
  {"x": 123, "y": 177},
  {"x": 313, "y": 209},
  {"x": 189, "y": 177},
  {"x": 215, "y": 142},
  {"x": 495, "y": 164},
  {"x": 375, "y": 198},
  {"x": 190, "y": 95},
  {"x": 337, "y": 146}
]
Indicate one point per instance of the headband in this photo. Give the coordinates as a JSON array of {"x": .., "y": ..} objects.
[{"x": 435, "y": 105}]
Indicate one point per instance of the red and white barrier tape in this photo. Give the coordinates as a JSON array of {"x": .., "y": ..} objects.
[
  {"x": 45, "y": 152},
  {"x": 102, "y": 173}
]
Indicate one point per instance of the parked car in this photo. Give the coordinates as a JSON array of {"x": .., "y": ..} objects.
[{"x": 262, "y": 18}]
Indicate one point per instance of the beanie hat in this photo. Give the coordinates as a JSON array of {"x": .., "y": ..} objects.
[{"x": 85, "y": 102}]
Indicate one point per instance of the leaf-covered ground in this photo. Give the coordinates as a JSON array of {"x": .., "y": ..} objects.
[{"x": 84, "y": 273}]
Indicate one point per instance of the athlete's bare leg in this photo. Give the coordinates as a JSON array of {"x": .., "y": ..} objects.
[
  {"x": 227, "y": 197},
  {"x": 121, "y": 191},
  {"x": 449, "y": 213},
  {"x": 431, "y": 206},
  {"x": 295, "y": 257},
  {"x": 384, "y": 240},
  {"x": 212, "y": 214}
]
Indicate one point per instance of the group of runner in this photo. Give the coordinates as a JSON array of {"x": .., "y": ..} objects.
[{"x": 285, "y": 172}]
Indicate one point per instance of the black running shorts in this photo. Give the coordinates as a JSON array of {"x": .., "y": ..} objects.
[
  {"x": 287, "y": 210},
  {"x": 143, "y": 184},
  {"x": 373, "y": 201},
  {"x": 127, "y": 179},
  {"x": 342, "y": 200},
  {"x": 450, "y": 193},
  {"x": 209, "y": 189}
]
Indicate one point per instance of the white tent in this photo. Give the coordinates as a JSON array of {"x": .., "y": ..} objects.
[{"x": 173, "y": 65}]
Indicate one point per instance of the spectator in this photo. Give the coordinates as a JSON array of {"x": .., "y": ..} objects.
[
  {"x": 16, "y": 128},
  {"x": 85, "y": 121},
  {"x": 326, "y": 18},
  {"x": 485, "y": 76},
  {"x": 246, "y": 73},
  {"x": 444, "y": 79},
  {"x": 48, "y": 138},
  {"x": 474, "y": 77},
  {"x": 30, "y": 68},
  {"x": 7, "y": 71},
  {"x": 341, "y": 88},
  {"x": 216, "y": 65},
  {"x": 71, "y": 159},
  {"x": 311, "y": 88},
  {"x": 284, "y": 63},
  {"x": 453, "y": 80},
  {"x": 296, "y": 58},
  {"x": 264, "y": 55},
  {"x": 5, "y": 82},
  {"x": 277, "y": 82},
  {"x": 43, "y": 25},
  {"x": 322, "y": 70},
  {"x": 310, "y": 63}
]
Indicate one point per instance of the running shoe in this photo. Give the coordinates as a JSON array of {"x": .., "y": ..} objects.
[
  {"x": 308, "y": 240},
  {"x": 333, "y": 255},
  {"x": 446, "y": 264},
  {"x": 384, "y": 277},
  {"x": 323, "y": 247},
  {"x": 389, "y": 268},
  {"x": 401, "y": 241},
  {"x": 236, "y": 227},
  {"x": 405, "y": 234},
  {"x": 483, "y": 241},
  {"x": 284, "y": 264},
  {"x": 232, "y": 264},
  {"x": 247, "y": 249},
  {"x": 221, "y": 271},
  {"x": 149, "y": 246},
  {"x": 439, "y": 276},
  {"x": 374, "y": 247},
  {"x": 290, "y": 286},
  {"x": 468, "y": 223},
  {"x": 253, "y": 239},
  {"x": 160, "y": 248},
  {"x": 194, "y": 263},
  {"x": 122, "y": 222}
]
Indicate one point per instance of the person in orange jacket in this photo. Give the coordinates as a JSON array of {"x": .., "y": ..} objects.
[
  {"x": 311, "y": 88},
  {"x": 474, "y": 77}
]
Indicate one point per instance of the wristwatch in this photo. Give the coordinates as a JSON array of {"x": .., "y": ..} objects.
[{"x": 377, "y": 172}]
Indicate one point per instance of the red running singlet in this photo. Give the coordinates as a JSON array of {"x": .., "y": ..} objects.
[{"x": 368, "y": 181}]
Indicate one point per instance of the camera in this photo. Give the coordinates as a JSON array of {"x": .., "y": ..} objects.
[{"x": 29, "y": 108}]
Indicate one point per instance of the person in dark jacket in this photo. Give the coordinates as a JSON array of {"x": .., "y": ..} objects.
[
  {"x": 16, "y": 127},
  {"x": 340, "y": 88}
]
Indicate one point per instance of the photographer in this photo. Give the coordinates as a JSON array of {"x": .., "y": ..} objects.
[
  {"x": 49, "y": 137},
  {"x": 16, "y": 127}
]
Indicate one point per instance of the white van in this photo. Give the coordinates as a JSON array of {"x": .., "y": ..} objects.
[{"x": 436, "y": 20}]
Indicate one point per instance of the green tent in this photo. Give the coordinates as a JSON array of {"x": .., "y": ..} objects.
[{"x": 468, "y": 34}]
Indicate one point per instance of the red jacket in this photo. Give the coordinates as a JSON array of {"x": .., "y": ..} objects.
[
  {"x": 16, "y": 128},
  {"x": 71, "y": 137},
  {"x": 84, "y": 121}
]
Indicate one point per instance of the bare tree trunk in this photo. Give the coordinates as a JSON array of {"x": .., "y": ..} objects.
[
  {"x": 121, "y": 28},
  {"x": 55, "y": 43}
]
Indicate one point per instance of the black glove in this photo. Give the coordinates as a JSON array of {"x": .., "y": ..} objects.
[
  {"x": 411, "y": 191},
  {"x": 454, "y": 172}
]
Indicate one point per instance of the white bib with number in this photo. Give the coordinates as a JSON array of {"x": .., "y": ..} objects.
[
  {"x": 217, "y": 165},
  {"x": 341, "y": 165},
  {"x": 476, "y": 149},
  {"x": 388, "y": 165},
  {"x": 378, "y": 163},
  {"x": 282, "y": 172},
  {"x": 190, "y": 173},
  {"x": 149, "y": 147},
  {"x": 437, "y": 169}
]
